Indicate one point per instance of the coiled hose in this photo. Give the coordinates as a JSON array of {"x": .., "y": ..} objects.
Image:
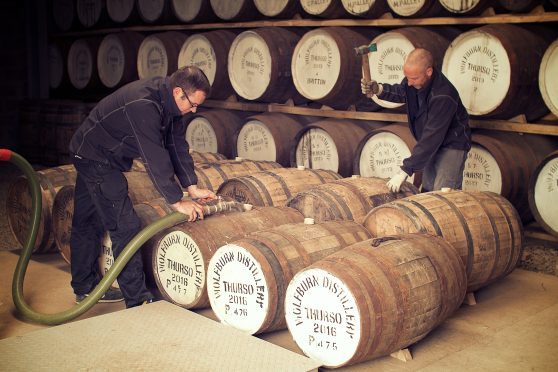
[{"x": 21, "y": 267}]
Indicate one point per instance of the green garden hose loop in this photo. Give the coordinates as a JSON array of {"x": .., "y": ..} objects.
[{"x": 108, "y": 279}]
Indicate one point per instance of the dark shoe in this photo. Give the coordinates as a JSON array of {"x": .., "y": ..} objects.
[{"x": 112, "y": 295}]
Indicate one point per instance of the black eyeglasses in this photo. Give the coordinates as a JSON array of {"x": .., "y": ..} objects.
[{"x": 194, "y": 105}]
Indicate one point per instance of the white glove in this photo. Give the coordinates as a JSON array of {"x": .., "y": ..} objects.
[
  {"x": 394, "y": 184},
  {"x": 369, "y": 88}
]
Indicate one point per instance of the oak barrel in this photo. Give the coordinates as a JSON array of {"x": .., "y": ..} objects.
[
  {"x": 259, "y": 64},
  {"x": 153, "y": 12},
  {"x": 18, "y": 205},
  {"x": 158, "y": 54},
  {"x": 495, "y": 70},
  {"x": 324, "y": 8},
  {"x": 82, "y": 64},
  {"x": 417, "y": 9},
  {"x": 373, "y": 298},
  {"x": 275, "y": 186},
  {"x": 213, "y": 131},
  {"x": 212, "y": 175},
  {"x": 181, "y": 255},
  {"x": 268, "y": 136},
  {"x": 117, "y": 58},
  {"x": 465, "y": 8},
  {"x": 91, "y": 13},
  {"x": 324, "y": 67},
  {"x": 192, "y": 11},
  {"x": 206, "y": 157},
  {"x": 346, "y": 199},
  {"x": 365, "y": 8},
  {"x": 209, "y": 51},
  {"x": 382, "y": 151},
  {"x": 278, "y": 8},
  {"x": 330, "y": 144},
  {"x": 548, "y": 71},
  {"x": 249, "y": 276},
  {"x": 64, "y": 14},
  {"x": 122, "y": 12},
  {"x": 543, "y": 193},
  {"x": 238, "y": 10},
  {"x": 483, "y": 227}
]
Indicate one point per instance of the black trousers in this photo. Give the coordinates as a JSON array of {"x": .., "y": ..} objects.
[{"x": 102, "y": 203}]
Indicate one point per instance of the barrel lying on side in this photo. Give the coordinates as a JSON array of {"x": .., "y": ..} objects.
[
  {"x": 346, "y": 199},
  {"x": 374, "y": 298},
  {"x": 180, "y": 254},
  {"x": 248, "y": 277},
  {"x": 543, "y": 193},
  {"x": 483, "y": 227},
  {"x": 275, "y": 186}
]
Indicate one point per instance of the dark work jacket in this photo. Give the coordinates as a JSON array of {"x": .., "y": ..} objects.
[
  {"x": 140, "y": 120},
  {"x": 441, "y": 120}
]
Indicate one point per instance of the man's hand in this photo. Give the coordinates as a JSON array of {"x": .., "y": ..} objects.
[
  {"x": 190, "y": 208},
  {"x": 369, "y": 88},
  {"x": 394, "y": 184},
  {"x": 202, "y": 195}
]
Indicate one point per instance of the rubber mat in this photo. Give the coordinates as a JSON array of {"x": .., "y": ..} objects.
[{"x": 158, "y": 336}]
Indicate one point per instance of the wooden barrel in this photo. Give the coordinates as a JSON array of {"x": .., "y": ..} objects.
[
  {"x": 206, "y": 157},
  {"x": 324, "y": 66},
  {"x": 181, "y": 255},
  {"x": 158, "y": 54},
  {"x": 386, "y": 65},
  {"x": 212, "y": 176},
  {"x": 209, "y": 51},
  {"x": 122, "y": 12},
  {"x": 18, "y": 205},
  {"x": 324, "y": 8},
  {"x": 373, "y": 298},
  {"x": 330, "y": 144},
  {"x": 249, "y": 276},
  {"x": 82, "y": 64},
  {"x": 239, "y": 10},
  {"x": 275, "y": 186},
  {"x": 503, "y": 163},
  {"x": 548, "y": 71},
  {"x": 543, "y": 193},
  {"x": 192, "y": 11},
  {"x": 213, "y": 131},
  {"x": 58, "y": 79},
  {"x": 346, "y": 199},
  {"x": 381, "y": 152},
  {"x": 465, "y": 8},
  {"x": 91, "y": 13},
  {"x": 64, "y": 14},
  {"x": 278, "y": 9},
  {"x": 140, "y": 188},
  {"x": 365, "y": 9},
  {"x": 483, "y": 227},
  {"x": 153, "y": 12},
  {"x": 268, "y": 136},
  {"x": 417, "y": 9},
  {"x": 117, "y": 58},
  {"x": 495, "y": 70},
  {"x": 259, "y": 64}
]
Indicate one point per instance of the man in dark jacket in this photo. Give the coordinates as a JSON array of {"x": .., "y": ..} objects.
[
  {"x": 437, "y": 118},
  {"x": 139, "y": 120}
]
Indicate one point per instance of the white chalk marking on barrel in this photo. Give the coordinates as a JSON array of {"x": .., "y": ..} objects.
[
  {"x": 152, "y": 58},
  {"x": 198, "y": 51},
  {"x": 481, "y": 172},
  {"x": 110, "y": 61},
  {"x": 201, "y": 136},
  {"x": 546, "y": 193},
  {"x": 180, "y": 267},
  {"x": 322, "y": 316},
  {"x": 317, "y": 150},
  {"x": 255, "y": 142},
  {"x": 237, "y": 288},
  {"x": 382, "y": 155}
]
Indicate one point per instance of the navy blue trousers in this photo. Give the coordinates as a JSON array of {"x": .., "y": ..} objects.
[{"x": 102, "y": 203}]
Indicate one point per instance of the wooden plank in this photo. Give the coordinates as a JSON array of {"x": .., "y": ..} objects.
[
  {"x": 545, "y": 129},
  {"x": 381, "y": 22}
]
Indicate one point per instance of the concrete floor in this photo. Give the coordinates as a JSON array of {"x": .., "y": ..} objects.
[{"x": 513, "y": 327}]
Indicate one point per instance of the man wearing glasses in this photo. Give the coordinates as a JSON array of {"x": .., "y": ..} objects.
[{"x": 143, "y": 119}]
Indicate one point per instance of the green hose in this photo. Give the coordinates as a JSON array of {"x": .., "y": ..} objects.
[{"x": 108, "y": 279}]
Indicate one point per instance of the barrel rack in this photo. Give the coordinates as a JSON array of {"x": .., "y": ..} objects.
[{"x": 547, "y": 125}]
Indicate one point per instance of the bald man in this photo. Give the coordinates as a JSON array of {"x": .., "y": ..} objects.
[{"x": 437, "y": 119}]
